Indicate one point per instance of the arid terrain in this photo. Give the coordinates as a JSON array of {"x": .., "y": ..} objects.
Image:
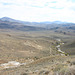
[
  {"x": 36, "y": 53},
  {"x": 37, "y": 37},
  {"x": 36, "y": 48}
]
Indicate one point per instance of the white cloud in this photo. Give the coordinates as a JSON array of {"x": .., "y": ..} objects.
[{"x": 38, "y": 10}]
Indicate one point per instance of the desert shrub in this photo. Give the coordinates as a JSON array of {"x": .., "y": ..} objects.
[
  {"x": 43, "y": 72},
  {"x": 73, "y": 62},
  {"x": 58, "y": 67},
  {"x": 36, "y": 57},
  {"x": 24, "y": 74},
  {"x": 66, "y": 71}
]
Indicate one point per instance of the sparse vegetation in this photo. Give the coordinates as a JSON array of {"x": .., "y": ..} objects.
[{"x": 32, "y": 50}]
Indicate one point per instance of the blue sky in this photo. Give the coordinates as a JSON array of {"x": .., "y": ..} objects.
[{"x": 38, "y": 10}]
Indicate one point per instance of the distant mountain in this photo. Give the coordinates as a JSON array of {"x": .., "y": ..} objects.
[
  {"x": 59, "y": 22},
  {"x": 13, "y": 20},
  {"x": 54, "y": 22},
  {"x": 17, "y": 26},
  {"x": 8, "y": 19},
  {"x": 7, "y": 22},
  {"x": 30, "y": 23}
]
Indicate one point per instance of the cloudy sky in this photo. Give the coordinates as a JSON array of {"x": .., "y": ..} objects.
[{"x": 38, "y": 10}]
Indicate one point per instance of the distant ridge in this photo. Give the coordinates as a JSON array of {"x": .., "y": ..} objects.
[
  {"x": 6, "y": 22},
  {"x": 45, "y": 22}
]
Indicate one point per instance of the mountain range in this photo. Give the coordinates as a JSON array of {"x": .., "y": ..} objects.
[
  {"x": 45, "y": 22},
  {"x": 9, "y": 23}
]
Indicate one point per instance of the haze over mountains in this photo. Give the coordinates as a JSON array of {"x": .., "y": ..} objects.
[
  {"x": 9, "y": 23},
  {"x": 13, "y": 20}
]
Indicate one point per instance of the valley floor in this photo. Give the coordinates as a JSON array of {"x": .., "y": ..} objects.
[{"x": 36, "y": 53}]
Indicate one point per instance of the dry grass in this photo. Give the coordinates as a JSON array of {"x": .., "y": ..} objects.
[{"x": 27, "y": 46}]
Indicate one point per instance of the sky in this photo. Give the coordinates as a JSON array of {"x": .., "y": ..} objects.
[{"x": 38, "y": 10}]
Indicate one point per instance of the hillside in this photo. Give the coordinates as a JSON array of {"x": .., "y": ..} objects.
[
  {"x": 17, "y": 26},
  {"x": 36, "y": 53}
]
